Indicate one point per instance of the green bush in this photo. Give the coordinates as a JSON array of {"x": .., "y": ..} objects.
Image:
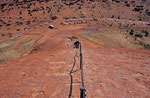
[{"x": 131, "y": 32}]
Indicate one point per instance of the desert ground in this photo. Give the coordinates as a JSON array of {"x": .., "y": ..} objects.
[{"x": 36, "y": 60}]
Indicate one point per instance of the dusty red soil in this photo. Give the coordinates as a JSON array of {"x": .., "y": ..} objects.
[{"x": 109, "y": 72}]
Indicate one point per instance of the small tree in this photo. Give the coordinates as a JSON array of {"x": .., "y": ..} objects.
[{"x": 146, "y": 34}]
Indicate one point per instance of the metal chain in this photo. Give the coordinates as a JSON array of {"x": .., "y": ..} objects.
[{"x": 82, "y": 89}]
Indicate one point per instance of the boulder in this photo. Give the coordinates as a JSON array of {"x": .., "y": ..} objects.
[{"x": 51, "y": 26}]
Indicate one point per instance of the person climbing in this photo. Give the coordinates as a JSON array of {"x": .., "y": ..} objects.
[{"x": 76, "y": 44}]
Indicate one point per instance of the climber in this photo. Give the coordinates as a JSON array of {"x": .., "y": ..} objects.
[{"x": 76, "y": 44}]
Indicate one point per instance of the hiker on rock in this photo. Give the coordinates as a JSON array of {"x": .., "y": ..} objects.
[{"x": 76, "y": 44}]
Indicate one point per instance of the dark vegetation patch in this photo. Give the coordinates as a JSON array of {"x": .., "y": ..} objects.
[
  {"x": 19, "y": 23},
  {"x": 73, "y": 2},
  {"x": 8, "y": 24},
  {"x": 10, "y": 34},
  {"x": 47, "y": 0},
  {"x": 29, "y": 11},
  {"x": 117, "y": 1},
  {"x": 9, "y": 20},
  {"x": 148, "y": 13},
  {"x": 146, "y": 33},
  {"x": 11, "y": 4},
  {"x": 106, "y": 0},
  {"x": 131, "y": 32},
  {"x": 35, "y": 10},
  {"x": 28, "y": 22},
  {"x": 147, "y": 46},
  {"x": 3, "y": 34},
  {"x": 2, "y": 61},
  {"x": 128, "y": 5},
  {"x": 54, "y": 17},
  {"x": 20, "y": 13},
  {"x": 18, "y": 29},
  {"x": 138, "y": 8},
  {"x": 3, "y": 5},
  {"x": 132, "y": 2},
  {"x": 139, "y": 35},
  {"x": 48, "y": 9},
  {"x": 42, "y": 8}
]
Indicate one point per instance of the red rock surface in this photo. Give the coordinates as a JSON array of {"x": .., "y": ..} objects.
[
  {"x": 109, "y": 72},
  {"x": 42, "y": 69}
]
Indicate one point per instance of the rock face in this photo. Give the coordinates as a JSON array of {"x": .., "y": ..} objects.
[
  {"x": 45, "y": 72},
  {"x": 42, "y": 63}
]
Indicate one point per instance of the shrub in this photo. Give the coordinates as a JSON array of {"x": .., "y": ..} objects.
[
  {"x": 11, "y": 4},
  {"x": 112, "y": 16},
  {"x": 10, "y": 34},
  {"x": 54, "y": 17},
  {"x": 79, "y": 7},
  {"x": 18, "y": 29},
  {"x": 138, "y": 35},
  {"x": 28, "y": 22},
  {"x": 47, "y": 0},
  {"x": 8, "y": 24},
  {"x": 3, "y": 34},
  {"x": 29, "y": 11},
  {"x": 3, "y": 5},
  {"x": 146, "y": 33},
  {"x": 131, "y": 32},
  {"x": 148, "y": 13},
  {"x": 132, "y": 1},
  {"x": 147, "y": 46},
  {"x": 34, "y": 10},
  {"x": 19, "y": 23},
  {"x": 42, "y": 7},
  {"x": 128, "y": 5},
  {"x": 138, "y": 8},
  {"x": 103, "y": 0},
  {"x": 20, "y": 12},
  {"x": 140, "y": 19}
]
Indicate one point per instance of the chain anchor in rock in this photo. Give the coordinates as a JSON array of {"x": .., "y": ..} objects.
[{"x": 83, "y": 92}]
